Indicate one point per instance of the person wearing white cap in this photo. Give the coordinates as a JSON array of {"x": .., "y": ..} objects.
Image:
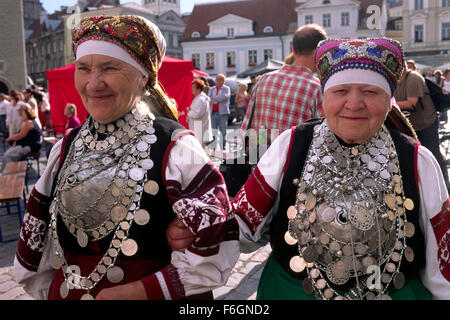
[
  {"x": 353, "y": 206},
  {"x": 96, "y": 220}
]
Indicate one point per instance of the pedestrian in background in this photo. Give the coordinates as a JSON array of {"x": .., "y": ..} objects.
[
  {"x": 29, "y": 139},
  {"x": 438, "y": 76},
  {"x": 251, "y": 84},
  {"x": 412, "y": 95},
  {"x": 199, "y": 117},
  {"x": 4, "y": 107},
  {"x": 13, "y": 118},
  {"x": 206, "y": 89},
  {"x": 71, "y": 113},
  {"x": 220, "y": 108},
  {"x": 31, "y": 100},
  {"x": 411, "y": 64},
  {"x": 242, "y": 98},
  {"x": 445, "y": 81}
]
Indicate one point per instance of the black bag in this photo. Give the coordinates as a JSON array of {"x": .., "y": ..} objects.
[{"x": 440, "y": 99}]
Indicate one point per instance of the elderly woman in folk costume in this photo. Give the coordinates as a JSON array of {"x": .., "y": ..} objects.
[
  {"x": 112, "y": 186},
  {"x": 353, "y": 206}
]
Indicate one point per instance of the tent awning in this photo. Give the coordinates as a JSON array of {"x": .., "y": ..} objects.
[
  {"x": 264, "y": 67},
  {"x": 443, "y": 67}
]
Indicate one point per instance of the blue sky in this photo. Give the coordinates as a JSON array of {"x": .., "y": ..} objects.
[{"x": 52, "y": 5}]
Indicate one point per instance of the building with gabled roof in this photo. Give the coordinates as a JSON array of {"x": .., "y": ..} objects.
[{"x": 229, "y": 37}]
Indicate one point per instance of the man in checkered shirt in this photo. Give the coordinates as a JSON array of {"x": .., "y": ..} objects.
[{"x": 291, "y": 95}]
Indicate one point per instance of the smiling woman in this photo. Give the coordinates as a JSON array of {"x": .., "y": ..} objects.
[
  {"x": 113, "y": 185},
  {"x": 350, "y": 202}
]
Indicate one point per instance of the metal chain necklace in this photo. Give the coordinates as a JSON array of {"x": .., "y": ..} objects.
[
  {"x": 111, "y": 166},
  {"x": 349, "y": 217}
]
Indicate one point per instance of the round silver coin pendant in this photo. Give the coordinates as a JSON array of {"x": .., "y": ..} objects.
[
  {"x": 142, "y": 146},
  {"x": 64, "y": 290},
  {"x": 129, "y": 247},
  {"x": 56, "y": 261},
  {"x": 151, "y": 187},
  {"x": 147, "y": 164},
  {"x": 115, "y": 274},
  {"x": 118, "y": 213},
  {"x": 142, "y": 217},
  {"x": 87, "y": 296},
  {"x": 82, "y": 238},
  {"x": 137, "y": 174}
]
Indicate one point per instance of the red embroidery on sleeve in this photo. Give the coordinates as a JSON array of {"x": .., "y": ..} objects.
[{"x": 441, "y": 227}]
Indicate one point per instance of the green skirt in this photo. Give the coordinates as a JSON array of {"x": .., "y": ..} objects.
[{"x": 277, "y": 284}]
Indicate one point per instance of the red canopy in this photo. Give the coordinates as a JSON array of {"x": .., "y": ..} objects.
[
  {"x": 175, "y": 77},
  {"x": 198, "y": 73}
]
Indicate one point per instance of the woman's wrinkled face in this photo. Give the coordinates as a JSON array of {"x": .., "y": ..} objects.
[
  {"x": 108, "y": 87},
  {"x": 355, "y": 112}
]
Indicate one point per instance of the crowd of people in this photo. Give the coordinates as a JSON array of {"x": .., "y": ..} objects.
[
  {"x": 21, "y": 129},
  {"x": 351, "y": 190}
]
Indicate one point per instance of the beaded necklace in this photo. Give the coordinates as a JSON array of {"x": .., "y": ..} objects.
[
  {"x": 349, "y": 217},
  {"x": 109, "y": 163}
]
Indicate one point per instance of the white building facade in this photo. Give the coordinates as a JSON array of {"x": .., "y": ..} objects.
[
  {"x": 426, "y": 31},
  {"x": 234, "y": 41},
  {"x": 231, "y": 46},
  {"x": 349, "y": 19}
]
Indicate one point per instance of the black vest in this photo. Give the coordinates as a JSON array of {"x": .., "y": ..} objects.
[
  {"x": 151, "y": 238},
  {"x": 405, "y": 147}
]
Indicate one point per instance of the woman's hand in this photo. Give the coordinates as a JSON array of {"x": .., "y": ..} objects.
[
  {"x": 179, "y": 237},
  {"x": 130, "y": 291}
]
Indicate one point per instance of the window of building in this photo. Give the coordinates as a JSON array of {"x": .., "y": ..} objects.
[
  {"x": 418, "y": 33},
  {"x": 231, "y": 59},
  {"x": 170, "y": 44},
  {"x": 446, "y": 31},
  {"x": 418, "y": 4},
  {"x": 308, "y": 19},
  {"x": 268, "y": 29},
  {"x": 398, "y": 24},
  {"x": 175, "y": 40},
  {"x": 252, "y": 57},
  {"x": 230, "y": 32},
  {"x": 345, "y": 19},
  {"x": 326, "y": 2},
  {"x": 268, "y": 54},
  {"x": 61, "y": 45},
  {"x": 2, "y": 66},
  {"x": 195, "y": 57},
  {"x": 326, "y": 20},
  {"x": 210, "y": 60},
  {"x": 195, "y": 34},
  {"x": 54, "y": 46},
  {"x": 445, "y": 3}
]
